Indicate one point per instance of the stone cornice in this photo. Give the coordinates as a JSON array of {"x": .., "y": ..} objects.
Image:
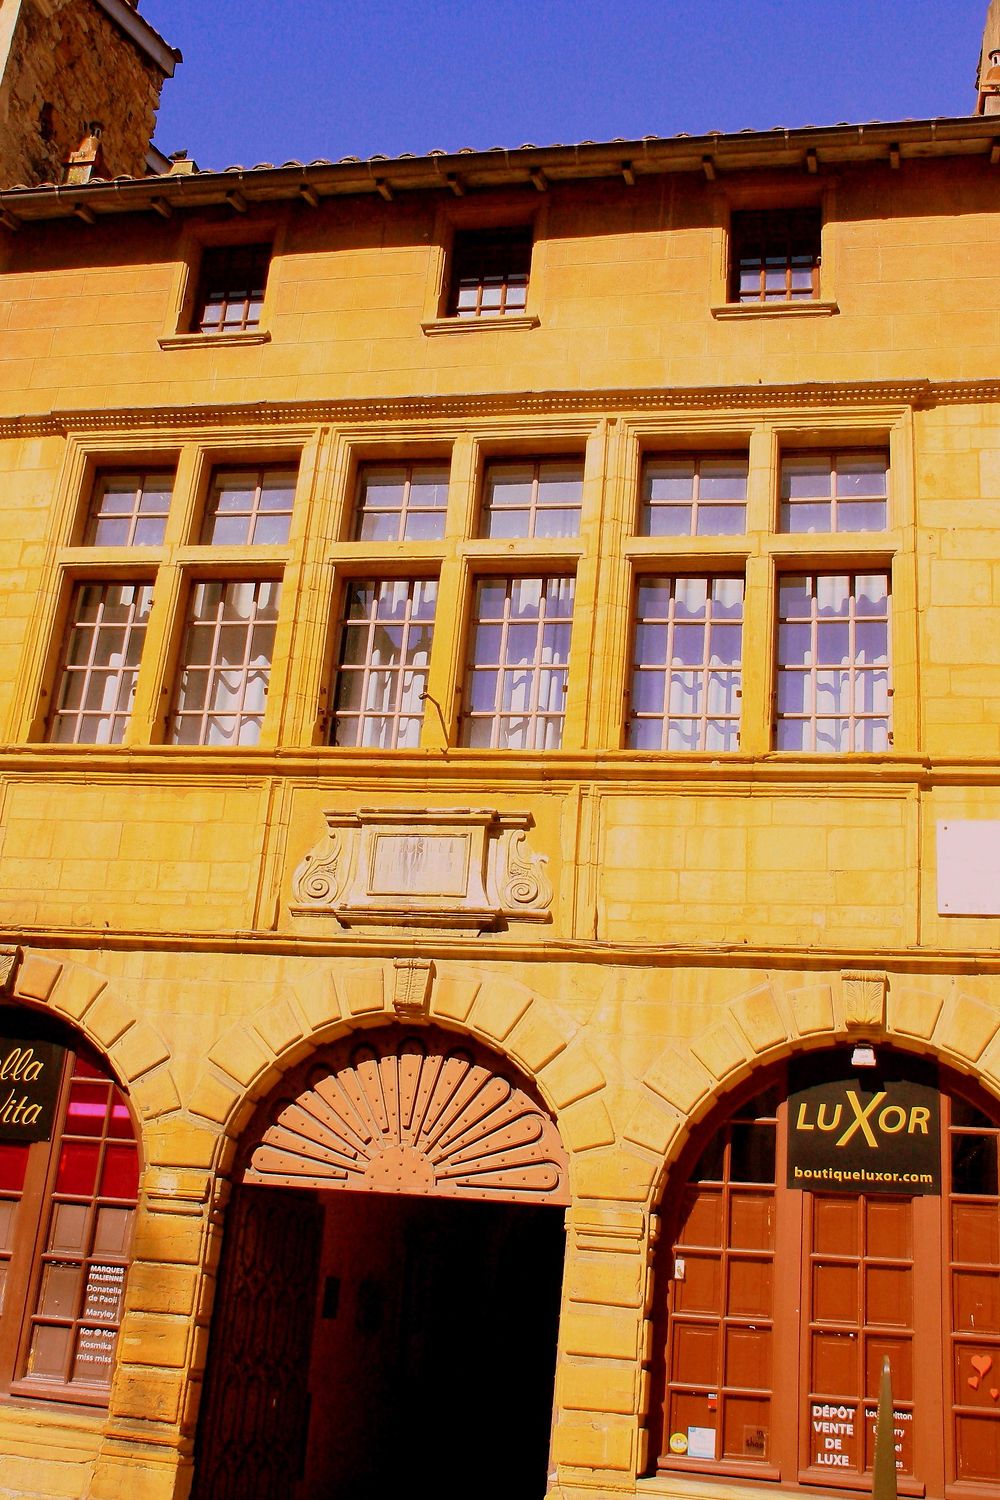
[
  {"x": 468, "y": 773},
  {"x": 805, "y": 397},
  {"x": 491, "y": 947}
]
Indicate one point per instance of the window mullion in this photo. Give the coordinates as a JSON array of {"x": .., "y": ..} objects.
[{"x": 151, "y": 704}]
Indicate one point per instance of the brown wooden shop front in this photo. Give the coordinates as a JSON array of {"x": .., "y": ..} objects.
[
  {"x": 784, "y": 1300},
  {"x": 389, "y": 1291}
]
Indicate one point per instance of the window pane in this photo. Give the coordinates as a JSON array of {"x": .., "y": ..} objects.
[
  {"x": 530, "y": 498},
  {"x": 822, "y": 492},
  {"x": 77, "y": 1169},
  {"x": 13, "y": 1164},
  {"x": 230, "y": 640},
  {"x": 60, "y": 1290},
  {"x": 49, "y": 1352},
  {"x": 694, "y": 496},
  {"x": 526, "y": 707},
  {"x": 694, "y": 705},
  {"x": 68, "y": 1230},
  {"x": 489, "y": 272},
  {"x": 774, "y": 255},
  {"x": 383, "y": 668},
  {"x": 401, "y": 502},
  {"x": 87, "y": 1109},
  {"x": 833, "y": 629},
  {"x": 129, "y": 509},
  {"x": 120, "y": 1175},
  {"x": 101, "y": 654},
  {"x": 231, "y": 288},
  {"x": 249, "y": 507}
]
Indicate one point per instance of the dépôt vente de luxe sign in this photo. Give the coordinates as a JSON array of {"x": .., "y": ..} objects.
[{"x": 864, "y": 1130}]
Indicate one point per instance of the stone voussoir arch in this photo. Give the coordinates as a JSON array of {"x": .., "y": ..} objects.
[
  {"x": 775, "y": 1019},
  {"x": 333, "y": 1000},
  {"x": 110, "y": 1020}
]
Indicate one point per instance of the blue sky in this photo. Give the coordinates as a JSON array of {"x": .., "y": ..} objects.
[{"x": 269, "y": 80}]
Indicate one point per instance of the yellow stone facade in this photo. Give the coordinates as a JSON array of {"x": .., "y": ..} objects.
[{"x": 710, "y": 913}]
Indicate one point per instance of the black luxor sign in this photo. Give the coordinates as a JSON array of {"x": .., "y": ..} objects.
[
  {"x": 29, "y": 1088},
  {"x": 863, "y": 1130}
]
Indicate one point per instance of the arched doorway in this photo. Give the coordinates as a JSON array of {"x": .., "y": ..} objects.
[
  {"x": 69, "y": 1186},
  {"x": 389, "y": 1291},
  {"x": 840, "y": 1210}
]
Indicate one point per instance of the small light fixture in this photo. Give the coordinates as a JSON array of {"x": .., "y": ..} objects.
[{"x": 863, "y": 1056}]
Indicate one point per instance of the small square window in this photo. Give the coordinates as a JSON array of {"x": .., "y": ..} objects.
[
  {"x": 822, "y": 492},
  {"x": 686, "y": 669},
  {"x": 100, "y": 663},
  {"x": 401, "y": 502},
  {"x": 489, "y": 272},
  {"x": 385, "y": 648},
  {"x": 225, "y": 663},
  {"x": 129, "y": 509},
  {"x": 833, "y": 686},
  {"x": 775, "y": 256},
  {"x": 694, "y": 495},
  {"x": 231, "y": 288},
  {"x": 249, "y": 507},
  {"x": 533, "y": 497},
  {"x": 515, "y": 687}
]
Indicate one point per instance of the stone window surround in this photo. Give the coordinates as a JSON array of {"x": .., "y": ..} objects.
[{"x": 461, "y": 557}]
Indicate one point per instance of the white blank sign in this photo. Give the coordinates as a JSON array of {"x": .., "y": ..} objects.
[{"x": 968, "y": 862}]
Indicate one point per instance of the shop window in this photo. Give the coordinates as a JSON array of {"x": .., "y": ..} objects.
[
  {"x": 249, "y": 507},
  {"x": 230, "y": 295},
  {"x": 515, "y": 688},
  {"x": 225, "y": 662},
  {"x": 129, "y": 509},
  {"x": 385, "y": 647},
  {"x": 694, "y": 495},
  {"x": 100, "y": 663},
  {"x": 833, "y": 662},
  {"x": 69, "y": 1176},
  {"x": 401, "y": 502},
  {"x": 686, "y": 669},
  {"x": 779, "y": 1301},
  {"x": 822, "y": 492},
  {"x": 532, "y": 497},
  {"x": 489, "y": 272},
  {"x": 775, "y": 255}
]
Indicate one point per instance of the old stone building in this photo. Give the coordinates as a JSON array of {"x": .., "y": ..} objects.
[
  {"x": 66, "y": 66},
  {"x": 499, "y": 811}
]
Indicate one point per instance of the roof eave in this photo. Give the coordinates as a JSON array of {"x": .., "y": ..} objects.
[{"x": 807, "y": 147}]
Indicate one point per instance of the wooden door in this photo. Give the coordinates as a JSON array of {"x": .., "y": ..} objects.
[
  {"x": 972, "y": 1305},
  {"x": 254, "y": 1417},
  {"x": 783, "y": 1304},
  {"x": 869, "y": 1266},
  {"x": 721, "y": 1358}
]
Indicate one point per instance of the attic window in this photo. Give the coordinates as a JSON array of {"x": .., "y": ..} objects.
[
  {"x": 489, "y": 276},
  {"x": 231, "y": 289},
  {"x": 775, "y": 256}
]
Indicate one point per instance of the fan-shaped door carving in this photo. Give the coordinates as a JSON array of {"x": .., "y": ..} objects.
[{"x": 410, "y": 1112}]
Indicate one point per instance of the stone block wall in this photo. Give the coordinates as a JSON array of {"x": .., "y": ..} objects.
[{"x": 68, "y": 65}]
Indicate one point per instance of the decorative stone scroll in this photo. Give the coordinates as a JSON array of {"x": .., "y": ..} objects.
[
  {"x": 399, "y": 1112},
  {"x": 450, "y": 867}
]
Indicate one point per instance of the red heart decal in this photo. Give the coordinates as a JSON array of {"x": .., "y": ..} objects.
[
  {"x": 974, "y": 1382},
  {"x": 995, "y": 1393},
  {"x": 982, "y": 1363}
]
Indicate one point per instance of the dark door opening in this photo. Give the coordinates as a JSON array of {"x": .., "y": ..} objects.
[{"x": 433, "y": 1346}]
